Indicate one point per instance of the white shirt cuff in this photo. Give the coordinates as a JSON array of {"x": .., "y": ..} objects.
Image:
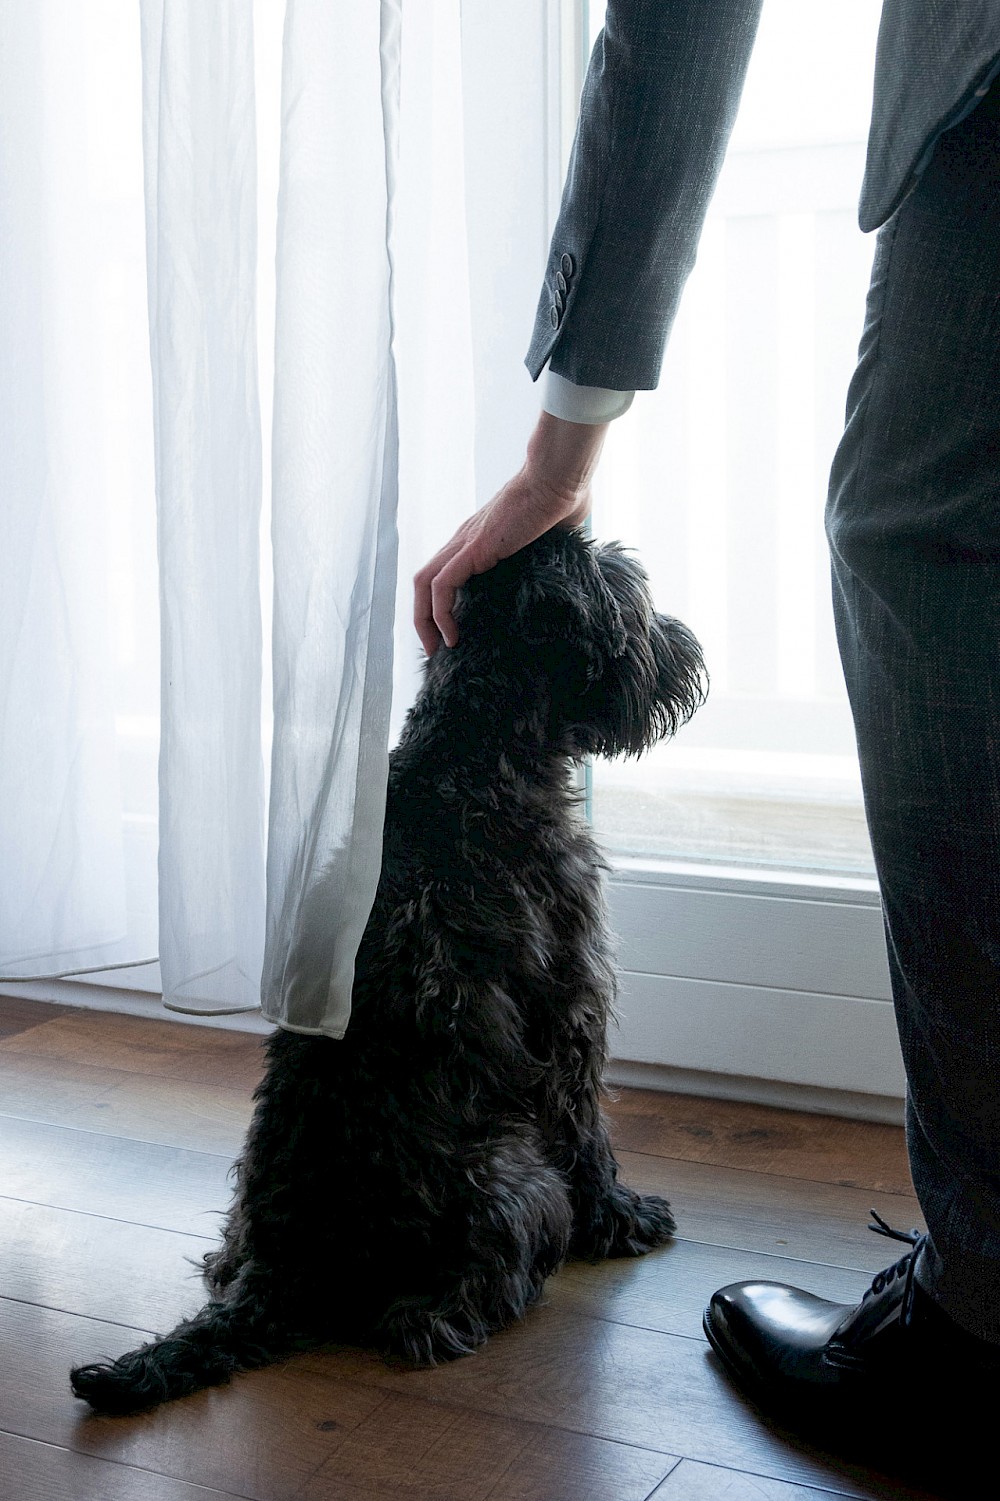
[{"x": 589, "y": 404}]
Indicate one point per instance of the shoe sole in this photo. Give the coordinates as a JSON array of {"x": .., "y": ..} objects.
[{"x": 752, "y": 1386}]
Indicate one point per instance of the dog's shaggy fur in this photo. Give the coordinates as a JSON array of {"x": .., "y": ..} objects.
[{"x": 413, "y": 1185}]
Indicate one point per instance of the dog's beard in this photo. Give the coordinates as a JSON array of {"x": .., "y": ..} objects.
[
  {"x": 681, "y": 676},
  {"x": 644, "y": 695}
]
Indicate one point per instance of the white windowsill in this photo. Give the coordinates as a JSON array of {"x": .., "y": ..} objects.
[{"x": 744, "y": 880}]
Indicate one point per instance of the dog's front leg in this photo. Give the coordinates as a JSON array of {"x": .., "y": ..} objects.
[{"x": 609, "y": 1219}]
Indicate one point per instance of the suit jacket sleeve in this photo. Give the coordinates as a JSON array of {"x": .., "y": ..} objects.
[{"x": 658, "y": 106}]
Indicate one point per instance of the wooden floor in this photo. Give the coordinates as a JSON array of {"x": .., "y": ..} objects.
[{"x": 117, "y": 1137}]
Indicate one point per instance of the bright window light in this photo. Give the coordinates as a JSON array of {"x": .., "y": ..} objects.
[{"x": 718, "y": 479}]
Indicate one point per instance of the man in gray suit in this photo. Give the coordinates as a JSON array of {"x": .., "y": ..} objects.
[{"x": 913, "y": 521}]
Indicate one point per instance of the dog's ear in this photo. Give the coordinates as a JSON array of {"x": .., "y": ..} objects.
[{"x": 564, "y": 597}]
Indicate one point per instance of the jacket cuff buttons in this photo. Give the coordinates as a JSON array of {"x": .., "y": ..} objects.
[{"x": 563, "y": 276}]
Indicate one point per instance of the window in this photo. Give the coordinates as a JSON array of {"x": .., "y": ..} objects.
[
  {"x": 719, "y": 477},
  {"x": 744, "y": 888}
]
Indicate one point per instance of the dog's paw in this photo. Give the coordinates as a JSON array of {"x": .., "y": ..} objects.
[
  {"x": 626, "y": 1224},
  {"x": 651, "y": 1224},
  {"x": 431, "y": 1336}
]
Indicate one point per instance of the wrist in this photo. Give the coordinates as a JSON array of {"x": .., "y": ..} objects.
[{"x": 562, "y": 456}]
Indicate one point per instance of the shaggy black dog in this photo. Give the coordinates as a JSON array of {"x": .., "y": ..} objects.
[{"x": 413, "y": 1185}]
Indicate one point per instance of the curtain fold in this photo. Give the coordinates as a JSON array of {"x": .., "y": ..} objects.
[
  {"x": 200, "y": 181},
  {"x": 350, "y": 112},
  {"x": 373, "y": 408},
  {"x": 334, "y": 491}
]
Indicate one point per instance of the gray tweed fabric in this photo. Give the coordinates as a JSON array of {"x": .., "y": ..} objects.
[
  {"x": 914, "y": 526},
  {"x": 658, "y": 106}
]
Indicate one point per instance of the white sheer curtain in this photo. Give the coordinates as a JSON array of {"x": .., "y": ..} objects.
[
  {"x": 372, "y": 379},
  {"x": 201, "y": 241},
  {"x": 335, "y": 471},
  {"x": 63, "y": 901},
  {"x": 336, "y": 479}
]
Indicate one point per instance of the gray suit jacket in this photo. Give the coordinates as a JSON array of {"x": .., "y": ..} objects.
[{"x": 658, "y": 105}]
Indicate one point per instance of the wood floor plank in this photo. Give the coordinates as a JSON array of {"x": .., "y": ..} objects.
[
  {"x": 724, "y": 1132},
  {"x": 765, "y": 1212},
  {"x": 211, "y": 1114},
  {"x": 18, "y": 1013},
  {"x": 140, "y": 1045},
  {"x": 632, "y": 1386},
  {"x": 33, "y": 1471},
  {"x": 178, "y": 1189},
  {"x": 204, "y": 1115},
  {"x": 283, "y": 1433},
  {"x": 692, "y": 1481},
  {"x": 668, "y": 1289},
  {"x": 103, "y": 1269},
  {"x": 443, "y": 1453},
  {"x": 262, "y": 1437},
  {"x": 80, "y": 1028},
  {"x": 141, "y": 1182},
  {"x": 142, "y": 1276},
  {"x": 270, "y": 1432},
  {"x": 827, "y": 1149}
]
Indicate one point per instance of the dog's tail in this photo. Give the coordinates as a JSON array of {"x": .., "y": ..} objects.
[{"x": 224, "y": 1337}]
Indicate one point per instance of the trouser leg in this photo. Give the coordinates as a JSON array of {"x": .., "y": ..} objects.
[{"x": 913, "y": 521}]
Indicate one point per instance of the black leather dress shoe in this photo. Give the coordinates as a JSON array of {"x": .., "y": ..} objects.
[{"x": 793, "y": 1352}]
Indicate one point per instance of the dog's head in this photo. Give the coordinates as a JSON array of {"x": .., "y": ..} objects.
[{"x": 568, "y": 629}]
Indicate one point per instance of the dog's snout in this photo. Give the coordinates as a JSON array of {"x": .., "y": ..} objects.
[{"x": 681, "y": 672}]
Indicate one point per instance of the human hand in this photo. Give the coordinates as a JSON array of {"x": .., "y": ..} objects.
[{"x": 552, "y": 489}]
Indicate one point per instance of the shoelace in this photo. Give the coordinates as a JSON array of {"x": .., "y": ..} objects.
[
  {"x": 901, "y": 1268},
  {"x": 882, "y": 1227}
]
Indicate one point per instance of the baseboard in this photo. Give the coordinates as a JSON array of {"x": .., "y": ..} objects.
[
  {"x": 841, "y": 1043},
  {"x": 812, "y": 1098}
]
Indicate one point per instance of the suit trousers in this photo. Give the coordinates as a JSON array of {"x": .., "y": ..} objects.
[{"x": 913, "y": 521}]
